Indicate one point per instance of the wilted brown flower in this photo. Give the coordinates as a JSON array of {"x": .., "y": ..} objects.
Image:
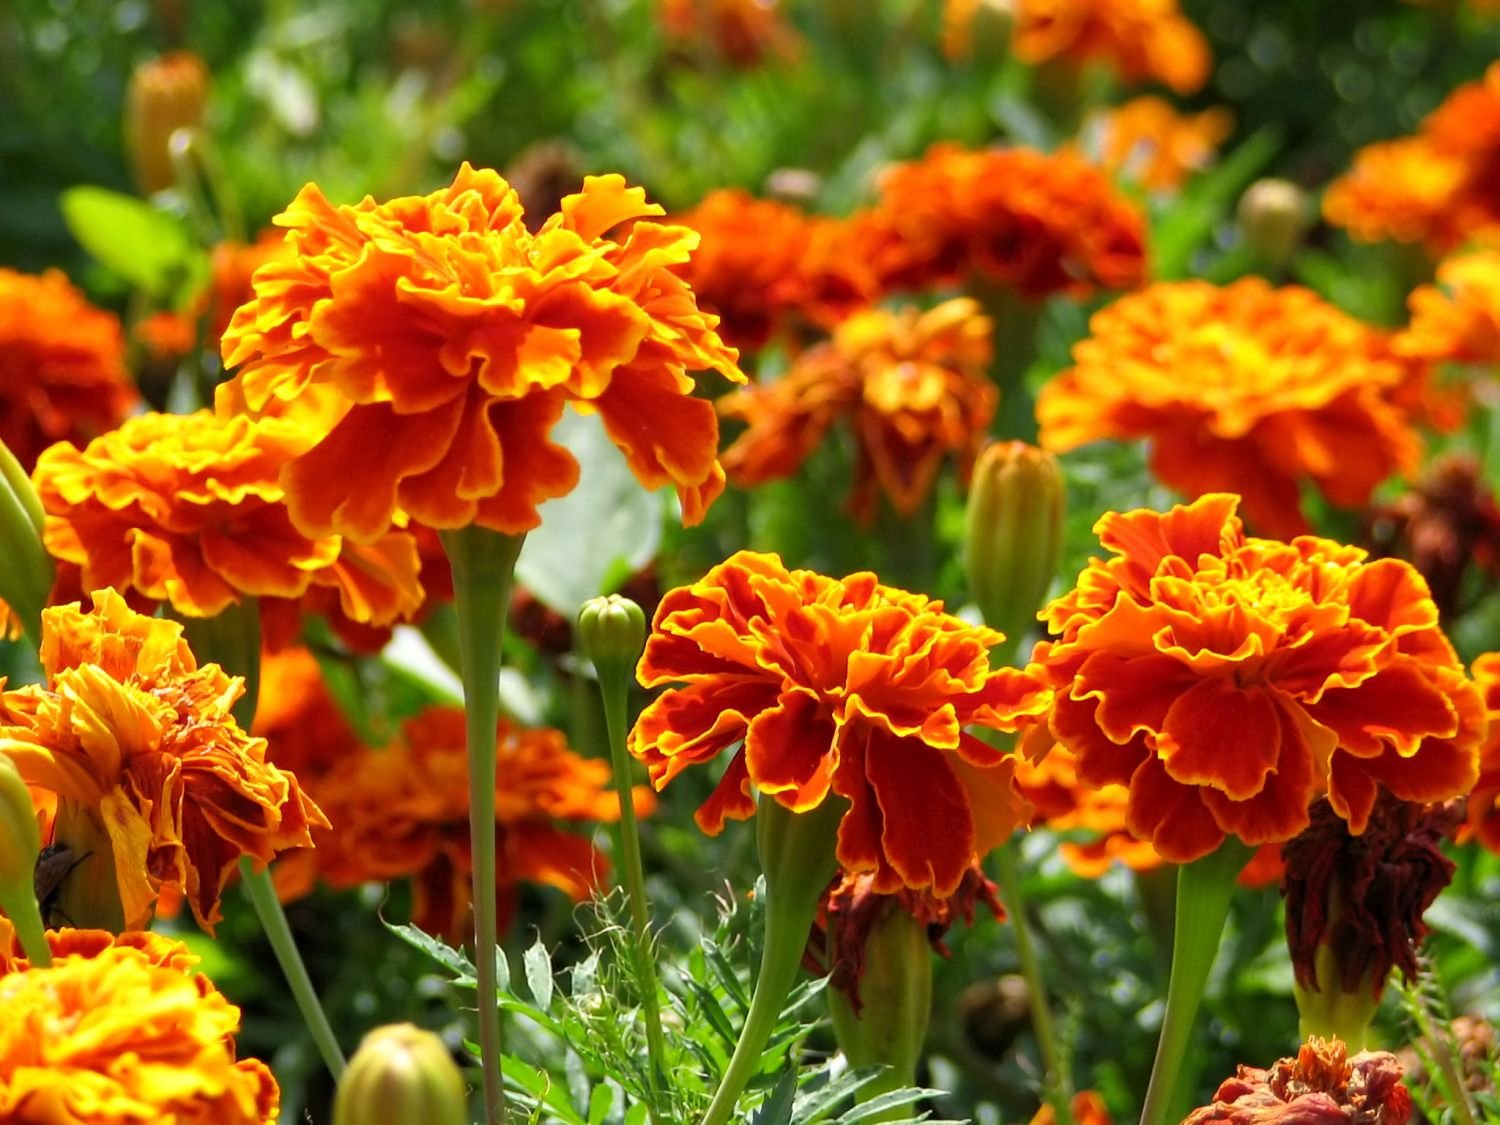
[{"x": 1321, "y": 1086}]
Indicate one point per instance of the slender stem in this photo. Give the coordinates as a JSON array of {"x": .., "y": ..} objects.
[
  {"x": 1056, "y": 1087},
  {"x": 612, "y": 686},
  {"x": 273, "y": 920},
  {"x": 1442, "y": 1053},
  {"x": 483, "y": 564},
  {"x": 1204, "y": 890}
]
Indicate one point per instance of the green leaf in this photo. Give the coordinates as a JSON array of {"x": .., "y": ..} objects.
[
  {"x": 777, "y": 1109},
  {"x": 538, "y": 967},
  {"x": 636, "y": 1114},
  {"x": 601, "y": 1101},
  {"x": 445, "y": 955},
  {"x": 528, "y": 1080},
  {"x": 148, "y": 248},
  {"x": 877, "y": 1106}
]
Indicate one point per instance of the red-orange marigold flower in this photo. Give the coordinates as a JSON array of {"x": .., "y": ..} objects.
[
  {"x": 62, "y": 365},
  {"x": 1139, "y": 40},
  {"x": 741, "y": 32},
  {"x": 1086, "y": 1108},
  {"x": 1484, "y": 801},
  {"x": 1458, "y": 319},
  {"x": 142, "y": 741},
  {"x": 456, "y": 338},
  {"x": 1245, "y": 388},
  {"x": 1323, "y": 1085},
  {"x": 912, "y": 384},
  {"x": 1230, "y": 681},
  {"x": 120, "y": 1031},
  {"x": 838, "y": 689},
  {"x": 1148, "y": 142},
  {"x": 1040, "y": 223}
]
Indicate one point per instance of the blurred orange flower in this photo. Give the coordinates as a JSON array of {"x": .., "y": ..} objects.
[
  {"x": 1230, "y": 681},
  {"x": 456, "y": 338},
  {"x": 187, "y": 509},
  {"x": 122, "y": 1030},
  {"x": 62, "y": 365},
  {"x": 1484, "y": 801},
  {"x": 137, "y": 739},
  {"x": 1458, "y": 319},
  {"x": 403, "y": 812},
  {"x": 1138, "y": 40},
  {"x": 1040, "y": 223},
  {"x": 838, "y": 689},
  {"x": 741, "y": 32},
  {"x": 1245, "y": 388},
  {"x": 913, "y": 385},
  {"x": 1148, "y": 142},
  {"x": 1086, "y": 1108}
]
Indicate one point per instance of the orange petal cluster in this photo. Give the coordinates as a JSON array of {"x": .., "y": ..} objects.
[
  {"x": 1244, "y": 388},
  {"x": 1230, "y": 681},
  {"x": 122, "y": 1030},
  {"x": 455, "y": 338},
  {"x": 1138, "y": 40},
  {"x": 1436, "y": 187},
  {"x": 1146, "y": 141},
  {"x": 744, "y": 33},
  {"x": 403, "y": 812},
  {"x": 1323, "y": 1085},
  {"x": 838, "y": 689},
  {"x": 1039, "y": 223},
  {"x": 1457, "y": 320},
  {"x": 1484, "y": 801},
  {"x": 62, "y": 365},
  {"x": 913, "y": 386},
  {"x": 134, "y": 732},
  {"x": 188, "y": 509},
  {"x": 1086, "y": 1108}
]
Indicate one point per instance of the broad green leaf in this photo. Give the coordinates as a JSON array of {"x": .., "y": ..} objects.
[{"x": 147, "y": 247}]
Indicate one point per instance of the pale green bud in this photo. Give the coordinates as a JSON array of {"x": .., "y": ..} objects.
[
  {"x": 402, "y": 1074},
  {"x": 612, "y": 631},
  {"x": 1273, "y": 216}
]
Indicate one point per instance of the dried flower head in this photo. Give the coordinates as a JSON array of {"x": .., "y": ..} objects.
[{"x": 1321, "y": 1086}]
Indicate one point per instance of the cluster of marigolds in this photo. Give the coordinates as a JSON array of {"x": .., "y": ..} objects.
[{"x": 1218, "y": 678}]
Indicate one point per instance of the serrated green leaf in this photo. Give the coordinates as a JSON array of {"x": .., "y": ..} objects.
[
  {"x": 813, "y": 1104},
  {"x": 777, "y": 1109},
  {"x": 879, "y": 1104},
  {"x": 708, "y": 1007},
  {"x": 538, "y": 967},
  {"x": 148, "y": 248},
  {"x": 445, "y": 955}
]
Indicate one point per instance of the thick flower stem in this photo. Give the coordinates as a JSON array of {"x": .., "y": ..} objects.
[
  {"x": 1204, "y": 890},
  {"x": 262, "y": 896},
  {"x": 483, "y": 564}
]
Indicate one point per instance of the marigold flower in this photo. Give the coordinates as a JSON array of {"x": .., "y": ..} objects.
[
  {"x": 1040, "y": 223},
  {"x": 1458, "y": 319},
  {"x": 456, "y": 338},
  {"x": 1323, "y": 1085},
  {"x": 187, "y": 509},
  {"x": 142, "y": 741},
  {"x": 403, "y": 812},
  {"x": 1148, "y": 142},
  {"x": 913, "y": 385},
  {"x": 1139, "y": 40},
  {"x": 1086, "y": 1108},
  {"x": 1230, "y": 681},
  {"x": 741, "y": 32},
  {"x": 1484, "y": 801},
  {"x": 121, "y": 1030},
  {"x": 1245, "y": 388},
  {"x": 838, "y": 689},
  {"x": 62, "y": 365}
]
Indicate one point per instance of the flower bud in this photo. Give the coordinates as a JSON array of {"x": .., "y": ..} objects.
[
  {"x": 164, "y": 95},
  {"x": 612, "y": 631},
  {"x": 401, "y": 1074},
  {"x": 1013, "y": 533},
  {"x": 20, "y": 844},
  {"x": 26, "y": 578},
  {"x": 1273, "y": 217}
]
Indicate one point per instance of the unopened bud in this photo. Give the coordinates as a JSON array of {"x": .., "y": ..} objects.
[
  {"x": 164, "y": 95},
  {"x": 20, "y": 844},
  {"x": 26, "y": 578},
  {"x": 399, "y": 1075},
  {"x": 1273, "y": 217},
  {"x": 612, "y": 631},
  {"x": 1013, "y": 533}
]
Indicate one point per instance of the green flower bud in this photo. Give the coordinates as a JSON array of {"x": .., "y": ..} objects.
[
  {"x": 20, "y": 844},
  {"x": 26, "y": 578},
  {"x": 399, "y": 1075},
  {"x": 1273, "y": 217},
  {"x": 1013, "y": 530},
  {"x": 612, "y": 631}
]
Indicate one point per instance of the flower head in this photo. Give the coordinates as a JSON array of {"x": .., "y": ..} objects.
[
  {"x": 1139, "y": 40},
  {"x": 837, "y": 689},
  {"x": 741, "y": 32},
  {"x": 1230, "y": 681},
  {"x": 914, "y": 389},
  {"x": 1148, "y": 142},
  {"x": 1323, "y": 1085},
  {"x": 132, "y": 733},
  {"x": 121, "y": 1031},
  {"x": 454, "y": 338},
  {"x": 1484, "y": 801},
  {"x": 1457, "y": 320},
  {"x": 1245, "y": 388},
  {"x": 62, "y": 365}
]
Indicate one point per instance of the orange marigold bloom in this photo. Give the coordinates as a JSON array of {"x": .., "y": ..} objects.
[
  {"x": 1323, "y": 1085},
  {"x": 838, "y": 689},
  {"x": 121, "y": 1031},
  {"x": 1147, "y": 141},
  {"x": 142, "y": 742},
  {"x": 403, "y": 812},
  {"x": 1458, "y": 319},
  {"x": 1244, "y": 388},
  {"x": 1086, "y": 1108},
  {"x": 1040, "y": 223},
  {"x": 741, "y": 32},
  {"x": 455, "y": 338},
  {"x": 1230, "y": 681},
  {"x": 1484, "y": 801},
  {"x": 913, "y": 385},
  {"x": 62, "y": 365},
  {"x": 188, "y": 509},
  {"x": 1139, "y": 40}
]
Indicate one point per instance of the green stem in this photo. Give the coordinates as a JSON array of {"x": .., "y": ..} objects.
[
  {"x": 1056, "y": 1087},
  {"x": 26, "y": 916},
  {"x": 1204, "y": 890},
  {"x": 613, "y": 688},
  {"x": 483, "y": 564},
  {"x": 262, "y": 895}
]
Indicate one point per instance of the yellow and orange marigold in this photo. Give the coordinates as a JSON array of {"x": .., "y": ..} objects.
[
  {"x": 62, "y": 365},
  {"x": 456, "y": 338},
  {"x": 1457, "y": 320},
  {"x": 122, "y": 1030},
  {"x": 1230, "y": 681},
  {"x": 1244, "y": 388},
  {"x": 148, "y": 764},
  {"x": 1138, "y": 40},
  {"x": 838, "y": 689},
  {"x": 913, "y": 385},
  {"x": 1484, "y": 801},
  {"x": 1148, "y": 142}
]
